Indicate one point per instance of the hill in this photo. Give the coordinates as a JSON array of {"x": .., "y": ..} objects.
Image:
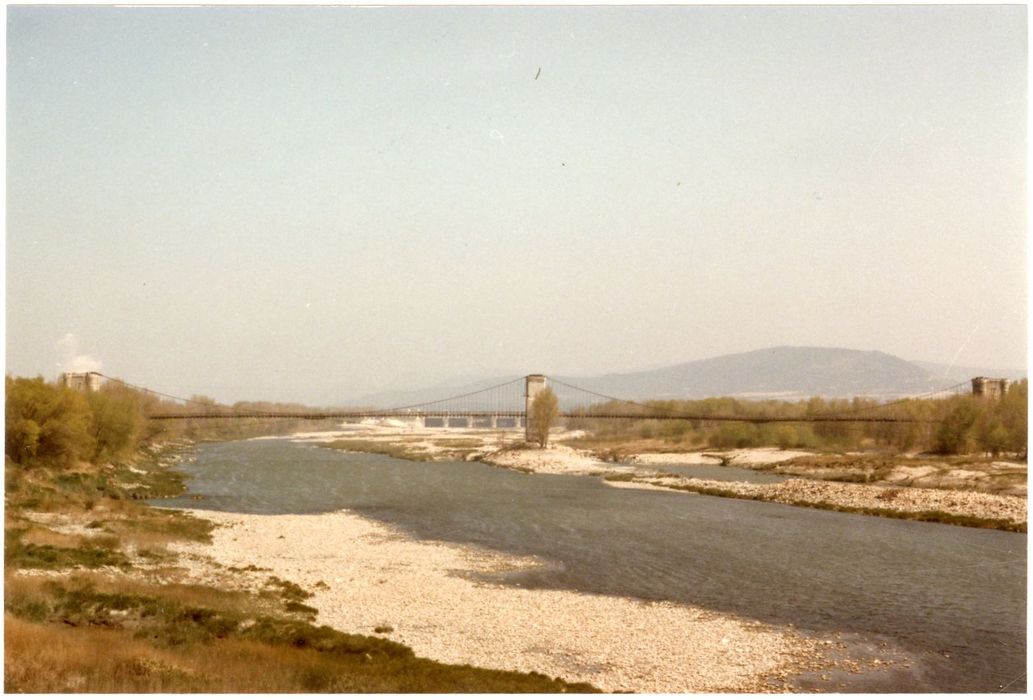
[
  {"x": 778, "y": 372},
  {"x": 782, "y": 372}
]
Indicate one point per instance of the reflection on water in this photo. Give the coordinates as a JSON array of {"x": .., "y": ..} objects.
[{"x": 953, "y": 596}]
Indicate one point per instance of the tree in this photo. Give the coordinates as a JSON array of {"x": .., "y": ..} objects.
[
  {"x": 954, "y": 432},
  {"x": 544, "y": 412},
  {"x": 117, "y": 422},
  {"x": 46, "y": 424},
  {"x": 1012, "y": 412}
]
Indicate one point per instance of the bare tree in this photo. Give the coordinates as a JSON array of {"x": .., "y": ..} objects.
[{"x": 544, "y": 412}]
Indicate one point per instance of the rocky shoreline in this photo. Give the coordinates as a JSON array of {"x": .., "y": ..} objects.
[
  {"x": 897, "y": 497},
  {"x": 1002, "y": 512},
  {"x": 369, "y": 578}
]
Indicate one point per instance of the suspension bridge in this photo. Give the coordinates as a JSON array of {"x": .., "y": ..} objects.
[{"x": 508, "y": 404}]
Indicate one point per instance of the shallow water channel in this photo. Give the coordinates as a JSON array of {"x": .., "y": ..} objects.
[{"x": 953, "y": 597}]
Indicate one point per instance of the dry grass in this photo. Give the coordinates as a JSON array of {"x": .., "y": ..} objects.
[
  {"x": 458, "y": 442},
  {"x": 391, "y": 449},
  {"x": 19, "y": 590},
  {"x": 111, "y": 635},
  {"x": 616, "y": 449},
  {"x": 45, "y": 537},
  {"x": 48, "y": 659}
]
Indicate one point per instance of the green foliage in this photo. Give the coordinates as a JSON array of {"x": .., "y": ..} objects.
[
  {"x": 46, "y": 424},
  {"x": 544, "y": 412},
  {"x": 398, "y": 450},
  {"x": 954, "y": 434},
  {"x": 313, "y": 658},
  {"x": 785, "y": 436},
  {"x": 1002, "y": 424},
  {"x": 116, "y": 422},
  {"x": 22, "y": 439},
  {"x": 289, "y": 590},
  {"x": 19, "y": 554},
  {"x": 52, "y": 426},
  {"x": 735, "y": 435},
  {"x": 952, "y": 426}
]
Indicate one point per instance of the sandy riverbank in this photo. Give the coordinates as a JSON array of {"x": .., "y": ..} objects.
[
  {"x": 366, "y": 575},
  {"x": 556, "y": 459}
]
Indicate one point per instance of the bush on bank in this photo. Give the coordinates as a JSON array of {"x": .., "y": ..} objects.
[{"x": 958, "y": 425}]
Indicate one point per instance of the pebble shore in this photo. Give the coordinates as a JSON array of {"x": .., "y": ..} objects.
[
  {"x": 366, "y": 576},
  {"x": 860, "y": 496},
  {"x": 560, "y": 459}
]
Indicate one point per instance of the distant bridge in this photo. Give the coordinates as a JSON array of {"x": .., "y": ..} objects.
[{"x": 507, "y": 405}]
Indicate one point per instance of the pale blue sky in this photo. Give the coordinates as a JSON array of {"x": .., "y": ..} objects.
[{"x": 312, "y": 203}]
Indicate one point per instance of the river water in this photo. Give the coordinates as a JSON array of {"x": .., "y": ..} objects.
[{"x": 953, "y": 597}]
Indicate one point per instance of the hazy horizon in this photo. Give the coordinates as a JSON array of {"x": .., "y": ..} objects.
[{"x": 313, "y": 203}]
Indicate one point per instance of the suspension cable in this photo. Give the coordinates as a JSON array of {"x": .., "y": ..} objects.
[
  {"x": 612, "y": 398},
  {"x": 456, "y": 397},
  {"x": 217, "y": 408},
  {"x": 905, "y": 399}
]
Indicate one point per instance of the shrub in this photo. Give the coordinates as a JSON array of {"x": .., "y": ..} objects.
[
  {"x": 735, "y": 435},
  {"x": 953, "y": 435},
  {"x": 46, "y": 424},
  {"x": 116, "y": 422}
]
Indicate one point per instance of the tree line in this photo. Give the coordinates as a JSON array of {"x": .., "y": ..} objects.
[
  {"x": 50, "y": 425},
  {"x": 960, "y": 424}
]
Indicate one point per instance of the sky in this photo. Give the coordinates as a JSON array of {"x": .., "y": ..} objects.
[{"x": 308, "y": 204}]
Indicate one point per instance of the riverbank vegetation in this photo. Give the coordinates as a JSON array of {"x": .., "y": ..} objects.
[
  {"x": 957, "y": 425},
  {"x": 96, "y": 599},
  {"x": 93, "y": 633},
  {"x": 48, "y": 425}
]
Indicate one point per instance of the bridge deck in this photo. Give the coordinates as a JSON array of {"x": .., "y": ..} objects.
[{"x": 344, "y": 415}]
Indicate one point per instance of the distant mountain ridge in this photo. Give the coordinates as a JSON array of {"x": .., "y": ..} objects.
[{"x": 778, "y": 372}]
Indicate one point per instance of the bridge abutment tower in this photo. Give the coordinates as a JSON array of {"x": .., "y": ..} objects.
[
  {"x": 989, "y": 388},
  {"x": 533, "y": 384}
]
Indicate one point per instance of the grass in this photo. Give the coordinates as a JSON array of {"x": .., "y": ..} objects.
[
  {"x": 460, "y": 443},
  {"x": 92, "y": 636},
  {"x": 618, "y": 449},
  {"x": 451, "y": 448},
  {"x": 23, "y": 554},
  {"x": 288, "y": 590},
  {"x": 879, "y": 467},
  {"x": 44, "y": 658},
  {"x": 382, "y": 447}
]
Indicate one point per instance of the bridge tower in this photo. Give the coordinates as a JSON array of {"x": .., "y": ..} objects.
[
  {"x": 989, "y": 388},
  {"x": 533, "y": 383},
  {"x": 80, "y": 381}
]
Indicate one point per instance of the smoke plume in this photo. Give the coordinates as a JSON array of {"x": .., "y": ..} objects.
[{"x": 71, "y": 360}]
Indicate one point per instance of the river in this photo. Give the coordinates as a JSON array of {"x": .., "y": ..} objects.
[{"x": 953, "y": 597}]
